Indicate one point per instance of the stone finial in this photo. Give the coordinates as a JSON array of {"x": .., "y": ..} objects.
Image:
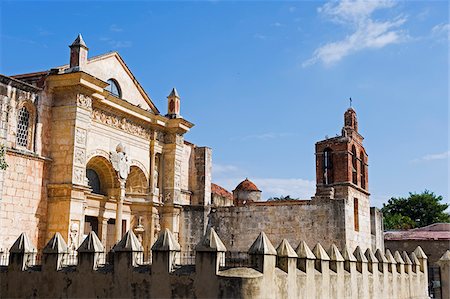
[
  {"x": 419, "y": 253},
  {"x": 210, "y": 242},
  {"x": 173, "y": 93},
  {"x": 285, "y": 249},
  {"x": 398, "y": 258},
  {"x": 173, "y": 104},
  {"x": 166, "y": 242},
  {"x": 128, "y": 243},
  {"x": 371, "y": 258},
  {"x": 380, "y": 256},
  {"x": 56, "y": 245},
  {"x": 348, "y": 255},
  {"x": 334, "y": 254},
  {"x": 304, "y": 252},
  {"x": 22, "y": 245},
  {"x": 262, "y": 245},
  {"x": 406, "y": 258},
  {"x": 320, "y": 253},
  {"x": 390, "y": 257},
  {"x": 91, "y": 244},
  {"x": 360, "y": 257},
  {"x": 414, "y": 259},
  {"x": 445, "y": 258}
]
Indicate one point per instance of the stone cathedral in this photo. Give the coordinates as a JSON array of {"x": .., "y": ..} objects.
[{"x": 87, "y": 150}]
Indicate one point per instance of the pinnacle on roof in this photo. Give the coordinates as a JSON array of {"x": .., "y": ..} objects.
[
  {"x": 419, "y": 253},
  {"x": 303, "y": 251},
  {"x": 414, "y": 259},
  {"x": 210, "y": 242},
  {"x": 166, "y": 242},
  {"x": 78, "y": 42},
  {"x": 91, "y": 244},
  {"x": 380, "y": 256},
  {"x": 262, "y": 245},
  {"x": 398, "y": 258},
  {"x": 390, "y": 257},
  {"x": 320, "y": 253},
  {"x": 56, "y": 245},
  {"x": 22, "y": 245},
  {"x": 285, "y": 249},
  {"x": 359, "y": 255},
  {"x": 173, "y": 93},
  {"x": 445, "y": 257},
  {"x": 371, "y": 258},
  {"x": 129, "y": 242},
  {"x": 348, "y": 255},
  {"x": 335, "y": 255},
  {"x": 406, "y": 258}
]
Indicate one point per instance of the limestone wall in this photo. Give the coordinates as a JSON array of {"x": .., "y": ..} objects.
[{"x": 293, "y": 220}]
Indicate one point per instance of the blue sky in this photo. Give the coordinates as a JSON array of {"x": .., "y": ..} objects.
[{"x": 263, "y": 81}]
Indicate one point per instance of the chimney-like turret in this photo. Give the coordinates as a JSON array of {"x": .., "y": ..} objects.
[
  {"x": 173, "y": 104},
  {"x": 78, "y": 53}
]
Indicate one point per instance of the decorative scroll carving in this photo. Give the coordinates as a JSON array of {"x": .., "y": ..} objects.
[
  {"x": 84, "y": 101},
  {"x": 121, "y": 123},
  {"x": 79, "y": 175},
  {"x": 79, "y": 156},
  {"x": 80, "y": 137}
]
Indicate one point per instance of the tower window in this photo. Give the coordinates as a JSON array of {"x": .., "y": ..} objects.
[
  {"x": 93, "y": 181},
  {"x": 114, "y": 88},
  {"x": 23, "y": 127},
  {"x": 354, "y": 166},
  {"x": 327, "y": 166},
  {"x": 362, "y": 170},
  {"x": 356, "y": 214}
]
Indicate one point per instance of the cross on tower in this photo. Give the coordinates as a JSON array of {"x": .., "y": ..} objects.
[{"x": 351, "y": 102}]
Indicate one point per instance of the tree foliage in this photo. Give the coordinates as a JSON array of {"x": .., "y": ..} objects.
[
  {"x": 3, "y": 164},
  {"x": 417, "y": 210}
]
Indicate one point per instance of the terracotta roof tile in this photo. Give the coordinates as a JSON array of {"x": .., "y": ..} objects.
[
  {"x": 436, "y": 231},
  {"x": 247, "y": 185},
  {"x": 216, "y": 189}
]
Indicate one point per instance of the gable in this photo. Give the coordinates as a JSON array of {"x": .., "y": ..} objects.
[{"x": 111, "y": 66}]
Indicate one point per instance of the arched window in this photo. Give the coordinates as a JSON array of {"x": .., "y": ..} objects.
[
  {"x": 356, "y": 213},
  {"x": 362, "y": 170},
  {"x": 93, "y": 181},
  {"x": 114, "y": 88},
  {"x": 327, "y": 166},
  {"x": 23, "y": 136},
  {"x": 354, "y": 166}
]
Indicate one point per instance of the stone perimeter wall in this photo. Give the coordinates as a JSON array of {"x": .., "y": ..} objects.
[
  {"x": 321, "y": 221},
  {"x": 281, "y": 276}
]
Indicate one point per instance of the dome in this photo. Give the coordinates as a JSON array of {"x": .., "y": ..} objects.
[{"x": 247, "y": 185}]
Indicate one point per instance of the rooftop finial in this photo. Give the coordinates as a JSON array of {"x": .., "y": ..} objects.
[{"x": 351, "y": 102}]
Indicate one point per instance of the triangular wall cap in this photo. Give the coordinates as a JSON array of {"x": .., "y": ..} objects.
[
  {"x": 56, "y": 245},
  {"x": 285, "y": 249},
  {"x": 390, "y": 257},
  {"x": 173, "y": 93},
  {"x": 360, "y": 257},
  {"x": 406, "y": 258},
  {"x": 371, "y": 258},
  {"x": 398, "y": 258},
  {"x": 78, "y": 41},
  {"x": 335, "y": 255},
  {"x": 348, "y": 255},
  {"x": 91, "y": 244},
  {"x": 304, "y": 252},
  {"x": 128, "y": 243},
  {"x": 445, "y": 257},
  {"x": 210, "y": 242},
  {"x": 380, "y": 256},
  {"x": 419, "y": 253},
  {"x": 320, "y": 253},
  {"x": 262, "y": 245},
  {"x": 22, "y": 245},
  {"x": 414, "y": 259},
  {"x": 166, "y": 242}
]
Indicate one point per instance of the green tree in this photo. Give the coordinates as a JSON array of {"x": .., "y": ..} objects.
[
  {"x": 415, "y": 211},
  {"x": 3, "y": 164},
  {"x": 282, "y": 198}
]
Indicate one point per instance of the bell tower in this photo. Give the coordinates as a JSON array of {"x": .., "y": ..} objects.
[
  {"x": 78, "y": 53},
  {"x": 341, "y": 162},
  {"x": 173, "y": 104}
]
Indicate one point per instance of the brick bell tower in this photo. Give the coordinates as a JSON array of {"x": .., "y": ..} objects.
[{"x": 341, "y": 162}]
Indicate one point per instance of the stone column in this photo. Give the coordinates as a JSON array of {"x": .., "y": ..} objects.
[
  {"x": 305, "y": 263},
  {"x": 361, "y": 267},
  {"x": 119, "y": 213},
  {"x": 322, "y": 264},
  {"x": 423, "y": 260},
  {"x": 287, "y": 261},
  {"x": 444, "y": 264},
  {"x": 337, "y": 289},
  {"x": 352, "y": 279},
  {"x": 103, "y": 229}
]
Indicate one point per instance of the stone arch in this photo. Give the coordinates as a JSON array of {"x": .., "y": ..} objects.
[
  {"x": 137, "y": 182},
  {"x": 26, "y": 119},
  {"x": 106, "y": 174},
  {"x": 141, "y": 166}
]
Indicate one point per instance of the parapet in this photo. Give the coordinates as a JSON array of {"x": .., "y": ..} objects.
[{"x": 212, "y": 271}]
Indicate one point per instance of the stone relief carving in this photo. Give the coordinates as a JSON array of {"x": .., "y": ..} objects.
[
  {"x": 174, "y": 138},
  {"x": 73, "y": 237},
  {"x": 79, "y": 156},
  {"x": 84, "y": 101},
  {"x": 80, "y": 136},
  {"x": 160, "y": 136},
  {"x": 79, "y": 176},
  {"x": 157, "y": 226},
  {"x": 121, "y": 123},
  {"x": 156, "y": 173},
  {"x": 120, "y": 161}
]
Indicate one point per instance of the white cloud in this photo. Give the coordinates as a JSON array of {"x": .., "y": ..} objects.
[
  {"x": 260, "y": 36},
  {"x": 432, "y": 157},
  {"x": 223, "y": 169},
  {"x": 115, "y": 44},
  {"x": 292, "y": 8},
  {"x": 277, "y": 24},
  {"x": 367, "y": 32},
  {"x": 115, "y": 28},
  {"x": 441, "y": 30}
]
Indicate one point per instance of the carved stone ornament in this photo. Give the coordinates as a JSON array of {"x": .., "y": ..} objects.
[
  {"x": 84, "y": 101},
  {"x": 80, "y": 136},
  {"x": 120, "y": 161},
  {"x": 121, "y": 123}
]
